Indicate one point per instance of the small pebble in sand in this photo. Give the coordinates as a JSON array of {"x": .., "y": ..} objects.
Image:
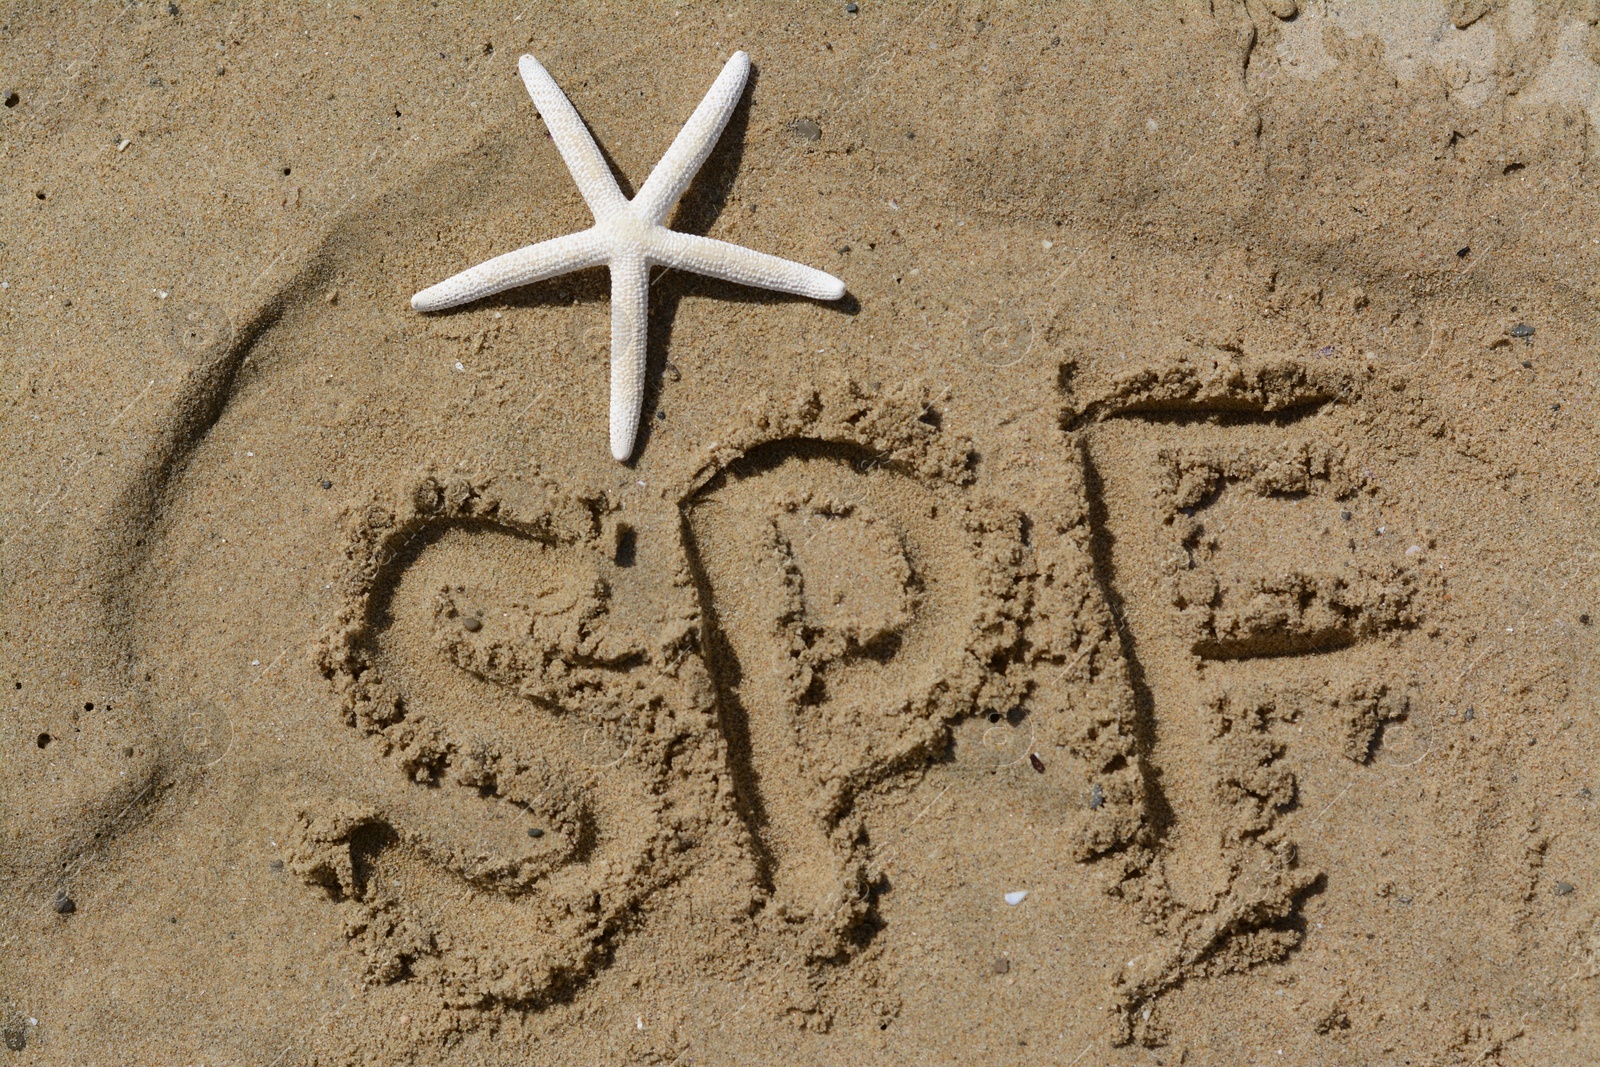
[
  {"x": 1522, "y": 329},
  {"x": 535, "y": 832},
  {"x": 1469, "y": 714},
  {"x": 1001, "y": 965},
  {"x": 805, "y": 129},
  {"x": 1016, "y": 897},
  {"x": 1528, "y": 363},
  {"x": 64, "y": 904},
  {"x": 276, "y": 865},
  {"x": 1038, "y": 764},
  {"x": 471, "y": 625},
  {"x": 327, "y": 483},
  {"x": 1463, "y": 252},
  {"x": 1563, "y": 888},
  {"x": 12, "y": 99},
  {"x": 16, "y": 1038},
  {"x": 851, "y": 9},
  {"x": 1097, "y": 796},
  {"x": 1584, "y": 618}
]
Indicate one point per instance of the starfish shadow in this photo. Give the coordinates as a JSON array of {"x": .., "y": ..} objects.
[{"x": 589, "y": 286}]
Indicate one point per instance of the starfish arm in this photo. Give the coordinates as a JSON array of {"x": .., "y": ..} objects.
[
  {"x": 630, "y": 309},
  {"x": 573, "y": 140},
  {"x": 693, "y": 144},
  {"x": 732, "y": 263},
  {"x": 531, "y": 264}
]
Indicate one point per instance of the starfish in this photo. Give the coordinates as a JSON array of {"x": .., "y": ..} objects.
[{"x": 629, "y": 238}]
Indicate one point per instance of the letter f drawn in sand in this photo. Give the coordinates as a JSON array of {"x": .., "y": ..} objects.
[{"x": 629, "y": 238}]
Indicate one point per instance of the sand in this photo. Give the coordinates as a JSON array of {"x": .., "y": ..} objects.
[{"x": 1150, "y": 620}]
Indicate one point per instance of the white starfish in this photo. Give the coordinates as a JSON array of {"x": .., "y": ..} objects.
[{"x": 628, "y": 236}]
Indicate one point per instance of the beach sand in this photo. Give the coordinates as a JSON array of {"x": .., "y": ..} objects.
[{"x": 1150, "y": 620}]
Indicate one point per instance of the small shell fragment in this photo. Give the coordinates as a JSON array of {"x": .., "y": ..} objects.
[{"x": 1016, "y": 897}]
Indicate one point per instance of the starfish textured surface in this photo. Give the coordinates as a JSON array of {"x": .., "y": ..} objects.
[{"x": 628, "y": 236}]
